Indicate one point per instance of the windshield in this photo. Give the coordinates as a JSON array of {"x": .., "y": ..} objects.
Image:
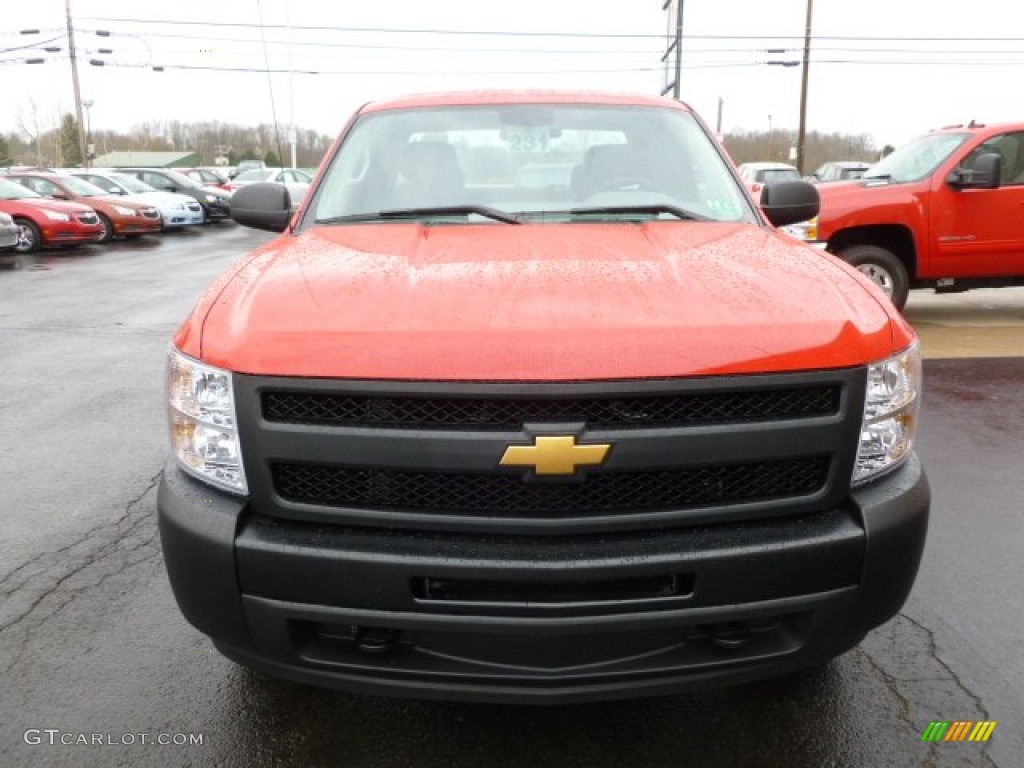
[
  {"x": 255, "y": 175},
  {"x": 130, "y": 184},
  {"x": 538, "y": 162},
  {"x": 81, "y": 187},
  {"x": 180, "y": 179},
  {"x": 10, "y": 190},
  {"x": 918, "y": 159},
  {"x": 773, "y": 175}
]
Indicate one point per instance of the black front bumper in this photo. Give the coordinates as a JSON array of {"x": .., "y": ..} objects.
[
  {"x": 219, "y": 209},
  {"x": 529, "y": 619}
]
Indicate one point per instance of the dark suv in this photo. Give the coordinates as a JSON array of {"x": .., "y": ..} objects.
[{"x": 216, "y": 202}]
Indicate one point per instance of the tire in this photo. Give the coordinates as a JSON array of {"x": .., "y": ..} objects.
[
  {"x": 107, "y": 227},
  {"x": 29, "y": 239},
  {"x": 883, "y": 268}
]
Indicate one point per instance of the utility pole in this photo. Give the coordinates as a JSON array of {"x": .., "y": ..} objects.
[
  {"x": 74, "y": 81},
  {"x": 677, "y": 44},
  {"x": 802, "y": 133}
]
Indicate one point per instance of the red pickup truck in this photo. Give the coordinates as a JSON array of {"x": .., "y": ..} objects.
[
  {"x": 945, "y": 211},
  {"x": 593, "y": 430}
]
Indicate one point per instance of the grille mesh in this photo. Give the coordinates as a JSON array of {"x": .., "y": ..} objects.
[
  {"x": 509, "y": 495},
  {"x": 512, "y": 412}
]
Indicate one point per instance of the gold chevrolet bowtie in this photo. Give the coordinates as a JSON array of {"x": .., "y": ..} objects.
[{"x": 555, "y": 455}]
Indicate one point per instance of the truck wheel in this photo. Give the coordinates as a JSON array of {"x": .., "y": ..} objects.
[
  {"x": 29, "y": 238},
  {"x": 881, "y": 267}
]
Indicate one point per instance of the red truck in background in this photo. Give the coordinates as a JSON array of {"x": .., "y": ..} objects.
[{"x": 945, "y": 211}]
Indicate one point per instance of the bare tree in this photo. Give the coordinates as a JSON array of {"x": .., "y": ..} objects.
[{"x": 31, "y": 125}]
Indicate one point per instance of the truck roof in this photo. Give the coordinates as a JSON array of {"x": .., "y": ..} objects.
[
  {"x": 976, "y": 127},
  {"x": 467, "y": 98}
]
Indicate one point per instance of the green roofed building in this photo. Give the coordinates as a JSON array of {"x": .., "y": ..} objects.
[{"x": 147, "y": 160}]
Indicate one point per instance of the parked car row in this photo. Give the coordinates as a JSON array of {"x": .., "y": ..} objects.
[{"x": 53, "y": 207}]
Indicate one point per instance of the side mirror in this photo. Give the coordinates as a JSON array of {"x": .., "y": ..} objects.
[
  {"x": 262, "y": 206},
  {"x": 987, "y": 171},
  {"x": 788, "y": 202}
]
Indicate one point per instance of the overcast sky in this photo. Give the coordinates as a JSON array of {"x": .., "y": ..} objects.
[{"x": 872, "y": 69}]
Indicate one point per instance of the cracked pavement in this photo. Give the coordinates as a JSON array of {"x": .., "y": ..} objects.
[{"x": 92, "y": 642}]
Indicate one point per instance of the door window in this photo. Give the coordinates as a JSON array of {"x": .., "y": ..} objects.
[{"x": 1010, "y": 147}]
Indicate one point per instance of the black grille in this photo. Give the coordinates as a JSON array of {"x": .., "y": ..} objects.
[
  {"x": 510, "y": 495},
  {"x": 512, "y": 412},
  {"x": 87, "y": 218}
]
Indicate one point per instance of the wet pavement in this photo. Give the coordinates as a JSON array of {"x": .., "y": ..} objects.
[{"x": 93, "y": 648}]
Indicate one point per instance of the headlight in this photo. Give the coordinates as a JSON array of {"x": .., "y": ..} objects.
[
  {"x": 212, "y": 199},
  {"x": 55, "y": 216},
  {"x": 201, "y": 413},
  {"x": 124, "y": 211},
  {"x": 804, "y": 230},
  {"x": 890, "y": 415}
]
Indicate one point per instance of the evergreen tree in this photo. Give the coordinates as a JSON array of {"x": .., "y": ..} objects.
[
  {"x": 70, "y": 149},
  {"x": 5, "y": 153}
]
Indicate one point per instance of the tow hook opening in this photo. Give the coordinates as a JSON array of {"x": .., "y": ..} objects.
[
  {"x": 375, "y": 640},
  {"x": 732, "y": 634}
]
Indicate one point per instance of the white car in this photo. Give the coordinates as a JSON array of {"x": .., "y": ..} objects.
[
  {"x": 295, "y": 180},
  {"x": 175, "y": 210},
  {"x": 757, "y": 175}
]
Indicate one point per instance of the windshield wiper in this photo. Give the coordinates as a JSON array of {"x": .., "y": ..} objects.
[
  {"x": 418, "y": 213},
  {"x": 654, "y": 209}
]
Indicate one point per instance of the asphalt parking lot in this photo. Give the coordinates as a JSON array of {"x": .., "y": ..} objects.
[{"x": 91, "y": 642}]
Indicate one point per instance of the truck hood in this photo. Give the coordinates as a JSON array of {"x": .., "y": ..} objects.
[
  {"x": 539, "y": 302},
  {"x": 846, "y": 198}
]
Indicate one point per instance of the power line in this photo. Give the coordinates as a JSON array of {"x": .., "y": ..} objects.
[
  {"x": 573, "y": 51},
  {"x": 34, "y": 44},
  {"x": 270, "y": 83},
  {"x": 385, "y": 30},
  {"x": 570, "y": 35},
  {"x": 559, "y": 71},
  {"x": 402, "y": 47},
  {"x": 403, "y": 72}
]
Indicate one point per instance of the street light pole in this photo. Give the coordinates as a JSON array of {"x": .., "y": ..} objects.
[
  {"x": 74, "y": 81},
  {"x": 802, "y": 133},
  {"x": 89, "y": 145}
]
